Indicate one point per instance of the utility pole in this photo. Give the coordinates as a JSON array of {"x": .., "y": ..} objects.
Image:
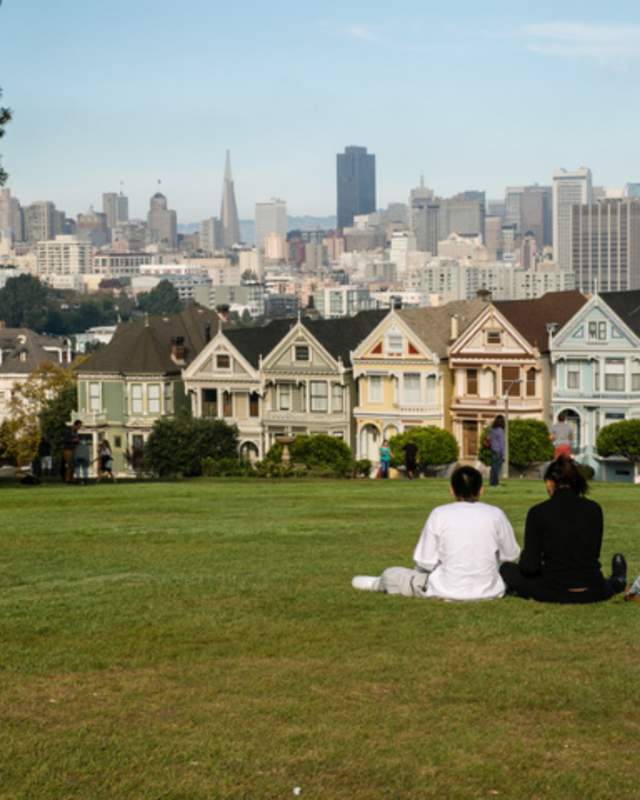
[{"x": 505, "y": 466}]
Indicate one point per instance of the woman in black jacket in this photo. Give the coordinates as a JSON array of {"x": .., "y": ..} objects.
[{"x": 560, "y": 562}]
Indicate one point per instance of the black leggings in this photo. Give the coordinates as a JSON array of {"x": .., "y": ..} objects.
[{"x": 538, "y": 588}]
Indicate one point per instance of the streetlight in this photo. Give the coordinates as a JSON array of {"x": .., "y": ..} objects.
[{"x": 505, "y": 466}]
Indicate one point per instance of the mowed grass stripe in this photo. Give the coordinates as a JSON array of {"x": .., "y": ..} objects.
[{"x": 201, "y": 639}]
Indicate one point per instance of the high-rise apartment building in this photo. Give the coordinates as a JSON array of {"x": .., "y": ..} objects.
[
  {"x": 463, "y": 215},
  {"x": 424, "y": 216},
  {"x": 41, "y": 222},
  {"x": 229, "y": 209},
  {"x": 162, "y": 222},
  {"x": 356, "y": 184},
  {"x": 271, "y": 218},
  {"x": 606, "y": 245},
  {"x": 64, "y": 255},
  {"x": 569, "y": 189}
]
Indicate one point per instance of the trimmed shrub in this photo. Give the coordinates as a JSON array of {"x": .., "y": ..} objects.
[
  {"x": 529, "y": 443},
  {"x": 322, "y": 453},
  {"x": 620, "y": 439},
  {"x": 435, "y": 446},
  {"x": 362, "y": 468},
  {"x": 177, "y": 445}
]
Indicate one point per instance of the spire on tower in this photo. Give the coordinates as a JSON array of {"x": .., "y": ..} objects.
[{"x": 229, "y": 209}]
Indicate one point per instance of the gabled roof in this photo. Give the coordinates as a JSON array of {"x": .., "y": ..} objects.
[
  {"x": 337, "y": 336},
  {"x": 531, "y": 317},
  {"x": 433, "y": 325},
  {"x": 255, "y": 343},
  {"x": 24, "y": 350},
  {"x": 626, "y": 305},
  {"x": 144, "y": 346},
  {"x": 340, "y": 336}
]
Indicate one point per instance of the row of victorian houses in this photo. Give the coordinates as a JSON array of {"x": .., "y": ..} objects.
[{"x": 368, "y": 377}]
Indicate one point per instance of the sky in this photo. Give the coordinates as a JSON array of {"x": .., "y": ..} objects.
[{"x": 472, "y": 95}]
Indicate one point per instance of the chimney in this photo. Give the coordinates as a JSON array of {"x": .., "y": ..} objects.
[
  {"x": 177, "y": 349},
  {"x": 207, "y": 332},
  {"x": 396, "y": 302},
  {"x": 455, "y": 327},
  {"x": 484, "y": 295},
  {"x": 223, "y": 312}
]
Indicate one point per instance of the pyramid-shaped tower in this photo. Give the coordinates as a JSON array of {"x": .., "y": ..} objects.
[{"x": 229, "y": 210}]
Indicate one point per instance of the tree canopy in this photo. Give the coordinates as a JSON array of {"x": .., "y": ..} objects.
[
  {"x": 620, "y": 439},
  {"x": 163, "y": 299}
]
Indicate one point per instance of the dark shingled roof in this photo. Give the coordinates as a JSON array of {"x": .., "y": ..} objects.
[
  {"x": 144, "y": 346},
  {"x": 626, "y": 305},
  {"x": 24, "y": 350},
  {"x": 338, "y": 336},
  {"x": 433, "y": 324},
  {"x": 531, "y": 317}
]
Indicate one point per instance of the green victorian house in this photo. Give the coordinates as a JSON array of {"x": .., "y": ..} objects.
[{"x": 137, "y": 378}]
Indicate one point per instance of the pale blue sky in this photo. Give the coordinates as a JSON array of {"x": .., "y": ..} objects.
[{"x": 474, "y": 95}]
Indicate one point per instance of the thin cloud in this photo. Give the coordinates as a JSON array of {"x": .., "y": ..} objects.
[
  {"x": 363, "y": 33},
  {"x": 605, "y": 43}
]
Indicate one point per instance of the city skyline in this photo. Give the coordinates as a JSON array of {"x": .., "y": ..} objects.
[{"x": 179, "y": 92}]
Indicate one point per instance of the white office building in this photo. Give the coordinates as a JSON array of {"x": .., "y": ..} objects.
[
  {"x": 271, "y": 219},
  {"x": 569, "y": 189}
]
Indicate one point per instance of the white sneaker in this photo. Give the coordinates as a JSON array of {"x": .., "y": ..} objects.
[{"x": 367, "y": 583}]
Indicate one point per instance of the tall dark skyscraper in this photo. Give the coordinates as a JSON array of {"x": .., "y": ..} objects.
[{"x": 356, "y": 184}]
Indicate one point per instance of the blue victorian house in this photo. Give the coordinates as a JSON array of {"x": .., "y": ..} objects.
[{"x": 596, "y": 374}]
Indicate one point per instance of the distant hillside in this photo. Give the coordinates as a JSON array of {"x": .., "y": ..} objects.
[{"x": 248, "y": 228}]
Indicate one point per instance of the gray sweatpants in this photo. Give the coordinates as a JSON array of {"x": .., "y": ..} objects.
[{"x": 400, "y": 580}]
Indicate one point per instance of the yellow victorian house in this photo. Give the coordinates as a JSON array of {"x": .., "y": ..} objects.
[{"x": 401, "y": 372}]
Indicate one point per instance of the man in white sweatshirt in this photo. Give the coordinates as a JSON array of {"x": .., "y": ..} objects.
[{"x": 459, "y": 551}]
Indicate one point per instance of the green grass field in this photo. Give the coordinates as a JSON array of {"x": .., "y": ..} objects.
[{"x": 202, "y": 640}]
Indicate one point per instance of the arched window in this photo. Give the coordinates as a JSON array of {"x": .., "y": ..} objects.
[{"x": 531, "y": 382}]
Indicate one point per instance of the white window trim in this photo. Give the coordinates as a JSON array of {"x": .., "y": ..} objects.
[
  {"x": 370, "y": 397},
  {"x": 90, "y": 398},
  {"x": 326, "y": 398},
  {"x": 133, "y": 399},
  {"x": 158, "y": 398},
  {"x": 223, "y": 369},
  {"x": 280, "y": 387},
  {"x": 295, "y": 358},
  {"x": 406, "y": 400}
]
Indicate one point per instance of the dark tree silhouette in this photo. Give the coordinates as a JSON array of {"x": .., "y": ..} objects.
[{"x": 5, "y": 116}]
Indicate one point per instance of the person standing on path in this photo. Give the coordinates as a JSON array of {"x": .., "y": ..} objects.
[
  {"x": 410, "y": 459},
  {"x": 562, "y": 436},
  {"x": 385, "y": 459},
  {"x": 496, "y": 444}
]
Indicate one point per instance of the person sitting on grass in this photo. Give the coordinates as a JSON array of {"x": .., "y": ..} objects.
[
  {"x": 562, "y": 539},
  {"x": 459, "y": 551}
]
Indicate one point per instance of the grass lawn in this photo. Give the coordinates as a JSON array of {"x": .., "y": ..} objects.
[{"x": 202, "y": 640}]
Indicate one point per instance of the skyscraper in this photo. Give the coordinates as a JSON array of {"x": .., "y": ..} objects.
[
  {"x": 606, "y": 245},
  {"x": 162, "y": 222},
  {"x": 271, "y": 217},
  {"x": 229, "y": 210},
  {"x": 569, "y": 189},
  {"x": 116, "y": 208},
  {"x": 356, "y": 184}
]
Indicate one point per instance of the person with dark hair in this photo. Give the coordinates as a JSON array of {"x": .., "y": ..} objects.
[
  {"x": 385, "y": 459},
  {"x": 70, "y": 440},
  {"x": 410, "y": 459},
  {"x": 105, "y": 461},
  {"x": 496, "y": 445},
  {"x": 459, "y": 551},
  {"x": 560, "y": 562}
]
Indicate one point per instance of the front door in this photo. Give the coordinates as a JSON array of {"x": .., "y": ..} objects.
[{"x": 470, "y": 438}]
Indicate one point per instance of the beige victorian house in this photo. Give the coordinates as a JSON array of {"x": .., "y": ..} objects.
[
  {"x": 290, "y": 377},
  {"x": 402, "y": 372},
  {"x": 502, "y": 359}
]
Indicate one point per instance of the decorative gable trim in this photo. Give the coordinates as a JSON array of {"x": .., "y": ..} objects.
[
  {"x": 299, "y": 334},
  {"x": 374, "y": 342},
  {"x": 217, "y": 344},
  {"x": 457, "y": 348}
]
